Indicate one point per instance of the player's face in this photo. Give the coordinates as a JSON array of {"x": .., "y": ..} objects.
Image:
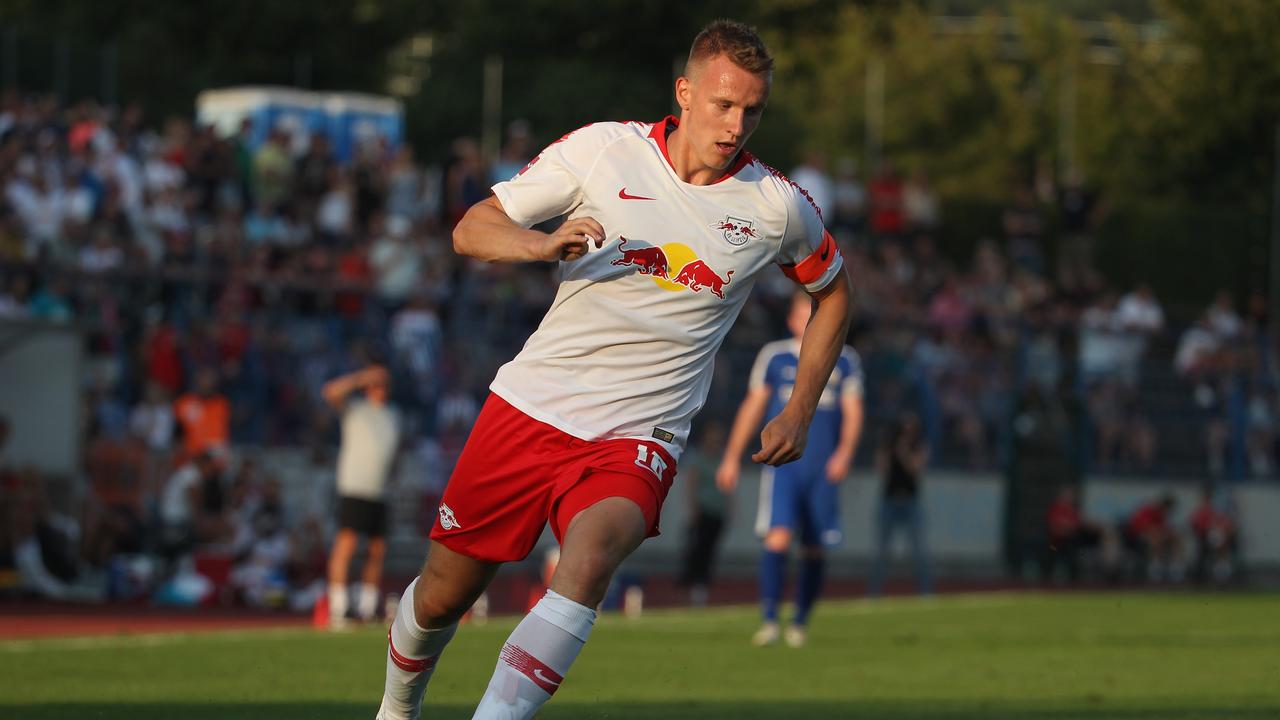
[{"x": 721, "y": 105}]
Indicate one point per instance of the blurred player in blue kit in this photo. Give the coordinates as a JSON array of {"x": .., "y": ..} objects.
[{"x": 799, "y": 499}]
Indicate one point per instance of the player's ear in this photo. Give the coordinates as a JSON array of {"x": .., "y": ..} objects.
[{"x": 683, "y": 94}]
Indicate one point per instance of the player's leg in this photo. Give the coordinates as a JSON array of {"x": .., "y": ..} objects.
[
  {"x": 914, "y": 520},
  {"x": 344, "y": 547},
  {"x": 425, "y": 622},
  {"x": 539, "y": 652},
  {"x": 819, "y": 524},
  {"x": 374, "y": 528},
  {"x": 774, "y": 521},
  {"x": 371, "y": 579}
]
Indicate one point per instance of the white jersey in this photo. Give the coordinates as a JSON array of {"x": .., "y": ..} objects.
[
  {"x": 627, "y": 347},
  {"x": 370, "y": 436}
]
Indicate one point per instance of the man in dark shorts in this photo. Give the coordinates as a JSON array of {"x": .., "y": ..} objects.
[{"x": 370, "y": 437}]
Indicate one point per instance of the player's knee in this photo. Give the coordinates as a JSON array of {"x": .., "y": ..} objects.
[{"x": 777, "y": 539}]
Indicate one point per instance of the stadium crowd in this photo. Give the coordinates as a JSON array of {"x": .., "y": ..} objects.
[{"x": 220, "y": 285}]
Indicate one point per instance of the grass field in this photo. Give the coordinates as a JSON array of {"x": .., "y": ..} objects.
[{"x": 1162, "y": 657}]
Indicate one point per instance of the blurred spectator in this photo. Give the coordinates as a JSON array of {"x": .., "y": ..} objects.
[
  {"x": 464, "y": 180},
  {"x": 1140, "y": 318},
  {"x": 849, "y": 198},
  {"x": 370, "y": 441},
  {"x": 204, "y": 415},
  {"x": 272, "y": 172},
  {"x": 1024, "y": 228},
  {"x": 707, "y": 512},
  {"x": 901, "y": 460},
  {"x": 515, "y": 153},
  {"x": 1071, "y": 534},
  {"x": 1151, "y": 537},
  {"x": 396, "y": 260},
  {"x": 193, "y": 507},
  {"x": 885, "y": 194},
  {"x": 920, "y": 204},
  {"x": 1216, "y": 536},
  {"x": 812, "y": 176},
  {"x": 1222, "y": 318}
]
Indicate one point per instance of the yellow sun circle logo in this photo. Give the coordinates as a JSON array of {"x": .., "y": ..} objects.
[{"x": 678, "y": 255}]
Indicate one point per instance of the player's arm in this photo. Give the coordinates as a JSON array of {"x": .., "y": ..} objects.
[
  {"x": 335, "y": 391},
  {"x": 750, "y": 413},
  {"x": 850, "y": 431},
  {"x": 784, "y": 438},
  {"x": 487, "y": 233}
]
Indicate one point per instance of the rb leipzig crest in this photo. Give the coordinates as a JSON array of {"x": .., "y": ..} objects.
[{"x": 736, "y": 230}]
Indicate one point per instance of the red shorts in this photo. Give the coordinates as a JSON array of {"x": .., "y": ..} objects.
[{"x": 516, "y": 474}]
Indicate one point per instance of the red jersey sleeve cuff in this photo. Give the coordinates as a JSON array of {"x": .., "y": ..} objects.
[{"x": 815, "y": 271}]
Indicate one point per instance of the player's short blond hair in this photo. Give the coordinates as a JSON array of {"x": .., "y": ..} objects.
[{"x": 733, "y": 39}]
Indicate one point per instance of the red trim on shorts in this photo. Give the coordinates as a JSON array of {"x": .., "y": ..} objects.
[
  {"x": 531, "y": 667},
  {"x": 409, "y": 664}
]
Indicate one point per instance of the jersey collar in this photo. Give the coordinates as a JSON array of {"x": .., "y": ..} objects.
[{"x": 663, "y": 128}]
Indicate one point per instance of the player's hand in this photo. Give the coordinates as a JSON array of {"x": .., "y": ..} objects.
[
  {"x": 838, "y": 467},
  {"x": 571, "y": 240},
  {"x": 727, "y": 476},
  {"x": 782, "y": 440}
]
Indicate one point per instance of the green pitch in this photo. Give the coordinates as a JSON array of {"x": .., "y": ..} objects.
[{"x": 1024, "y": 657}]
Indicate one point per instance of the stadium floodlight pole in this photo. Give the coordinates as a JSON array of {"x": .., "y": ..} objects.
[{"x": 1275, "y": 238}]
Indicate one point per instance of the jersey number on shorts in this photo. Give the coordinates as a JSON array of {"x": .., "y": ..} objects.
[{"x": 653, "y": 463}]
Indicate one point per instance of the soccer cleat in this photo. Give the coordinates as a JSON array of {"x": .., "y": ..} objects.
[
  {"x": 796, "y": 636},
  {"x": 768, "y": 634}
]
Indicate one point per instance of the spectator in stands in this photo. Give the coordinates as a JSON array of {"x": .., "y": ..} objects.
[
  {"x": 515, "y": 153},
  {"x": 464, "y": 180},
  {"x": 707, "y": 510},
  {"x": 920, "y": 205},
  {"x": 1139, "y": 318},
  {"x": 849, "y": 198},
  {"x": 1024, "y": 229},
  {"x": 204, "y": 415},
  {"x": 1071, "y": 534},
  {"x": 812, "y": 176},
  {"x": 1217, "y": 543},
  {"x": 193, "y": 508},
  {"x": 901, "y": 461},
  {"x": 370, "y": 441},
  {"x": 885, "y": 194},
  {"x": 272, "y": 173},
  {"x": 113, "y": 517},
  {"x": 1150, "y": 535}
]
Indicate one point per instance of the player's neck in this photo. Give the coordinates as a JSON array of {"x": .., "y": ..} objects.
[{"x": 685, "y": 161}]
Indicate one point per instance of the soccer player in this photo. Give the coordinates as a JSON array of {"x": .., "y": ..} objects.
[
  {"x": 370, "y": 438},
  {"x": 798, "y": 500},
  {"x": 668, "y": 224}
]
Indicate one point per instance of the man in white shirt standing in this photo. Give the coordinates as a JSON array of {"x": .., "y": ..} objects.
[
  {"x": 370, "y": 437},
  {"x": 668, "y": 226}
]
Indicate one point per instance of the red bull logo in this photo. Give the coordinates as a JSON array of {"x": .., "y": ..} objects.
[
  {"x": 696, "y": 275},
  {"x": 648, "y": 260},
  {"x": 736, "y": 230},
  {"x": 690, "y": 271}
]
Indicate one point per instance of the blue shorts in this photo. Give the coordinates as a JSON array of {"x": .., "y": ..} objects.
[{"x": 805, "y": 503}]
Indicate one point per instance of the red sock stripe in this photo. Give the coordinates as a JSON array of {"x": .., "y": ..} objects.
[
  {"x": 409, "y": 664},
  {"x": 533, "y": 668}
]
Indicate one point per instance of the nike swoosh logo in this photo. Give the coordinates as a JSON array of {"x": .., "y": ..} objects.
[
  {"x": 537, "y": 672},
  {"x": 623, "y": 194}
]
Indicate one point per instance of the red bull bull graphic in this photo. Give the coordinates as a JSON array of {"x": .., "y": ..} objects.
[
  {"x": 648, "y": 260},
  {"x": 690, "y": 271},
  {"x": 697, "y": 275},
  {"x": 737, "y": 231}
]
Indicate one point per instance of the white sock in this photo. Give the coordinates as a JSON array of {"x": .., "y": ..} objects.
[
  {"x": 536, "y": 657},
  {"x": 337, "y": 602},
  {"x": 367, "y": 604},
  {"x": 412, "y": 652}
]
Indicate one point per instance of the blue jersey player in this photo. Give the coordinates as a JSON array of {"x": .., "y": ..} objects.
[{"x": 800, "y": 498}]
